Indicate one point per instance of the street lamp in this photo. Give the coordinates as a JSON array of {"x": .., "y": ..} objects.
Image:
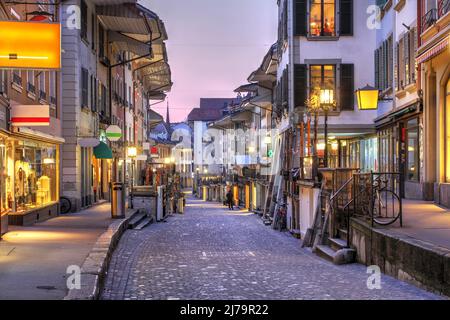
[
  {"x": 327, "y": 103},
  {"x": 132, "y": 154},
  {"x": 367, "y": 98}
]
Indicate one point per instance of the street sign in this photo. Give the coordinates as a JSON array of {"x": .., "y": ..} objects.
[
  {"x": 30, "y": 45},
  {"x": 113, "y": 133}
]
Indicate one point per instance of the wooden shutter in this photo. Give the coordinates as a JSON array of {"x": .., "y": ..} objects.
[
  {"x": 346, "y": 17},
  {"x": 406, "y": 59},
  {"x": 84, "y": 87},
  {"x": 377, "y": 69},
  {"x": 285, "y": 88},
  {"x": 396, "y": 66},
  {"x": 401, "y": 65},
  {"x": 347, "y": 89},
  {"x": 300, "y": 85},
  {"x": 300, "y": 23},
  {"x": 412, "y": 53},
  {"x": 390, "y": 62},
  {"x": 84, "y": 23}
]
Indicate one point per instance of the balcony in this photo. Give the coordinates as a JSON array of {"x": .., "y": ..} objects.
[
  {"x": 429, "y": 19},
  {"x": 17, "y": 79},
  {"x": 42, "y": 95},
  {"x": 443, "y": 8},
  {"x": 31, "y": 88}
]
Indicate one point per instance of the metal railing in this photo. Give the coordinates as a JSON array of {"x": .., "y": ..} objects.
[
  {"x": 429, "y": 19},
  {"x": 372, "y": 196},
  {"x": 443, "y": 7}
]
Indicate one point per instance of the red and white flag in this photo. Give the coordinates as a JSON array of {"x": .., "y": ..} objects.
[{"x": 30, "y": 115}]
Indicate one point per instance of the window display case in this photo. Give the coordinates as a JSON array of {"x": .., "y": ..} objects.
[{"x": 31, "y": 176}]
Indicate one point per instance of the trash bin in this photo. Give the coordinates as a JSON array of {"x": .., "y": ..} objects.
[
  {"x": 181, "y": 205},
  {"x": 117, "y": 200}
]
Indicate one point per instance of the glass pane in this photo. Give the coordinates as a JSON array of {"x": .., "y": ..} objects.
[
  {"x": 315, "y": 24},
  {"x": 447, "y": 132},
  {"x": 329, "y": 19},
  {"x": 413, "y": 151},
  {"x": 35, "y": 176}
]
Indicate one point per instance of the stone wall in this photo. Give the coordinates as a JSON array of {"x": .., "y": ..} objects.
[{"x": 420, "y": 263}]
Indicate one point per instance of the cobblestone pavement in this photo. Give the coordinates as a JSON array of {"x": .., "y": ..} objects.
[{"x": 213, "y": 253}]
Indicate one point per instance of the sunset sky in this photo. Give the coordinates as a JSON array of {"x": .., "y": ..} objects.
[{"x": 213, "y": 46}]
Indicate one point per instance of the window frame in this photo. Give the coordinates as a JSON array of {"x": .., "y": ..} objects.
[
  {"x": 416, "y": 130},
  {"x": 447, "y": 131},
  {"x": 322, "y": 19},
  {"x": 322, "y": 79}
]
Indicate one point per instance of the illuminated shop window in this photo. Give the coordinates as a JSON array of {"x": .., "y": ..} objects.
[
  {"x": 413, "y": 150},
  {"x": 322, "y": 18},
  {"x": 35, "y": 176},
  {"x": 447, "y": 132}
]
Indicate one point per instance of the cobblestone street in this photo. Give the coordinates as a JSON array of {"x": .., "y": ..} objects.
[{"x": 212, "y": 253}]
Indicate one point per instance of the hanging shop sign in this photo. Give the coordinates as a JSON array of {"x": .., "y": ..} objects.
[
  {"x": 113, "y": 133},
  {"x": 30, "y": 45},
  {"x": 146, "y": 146},
  {"x": 142, "y": 157},
  {"x": 30, "y": 115}
]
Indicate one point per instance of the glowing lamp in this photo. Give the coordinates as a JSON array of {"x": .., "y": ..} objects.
[
  {"x": 321, "y": 146},
  {"x": 132, "y": 152},
  {"x": 367, "y": 98},
  {"x": 30, "y": 45},
  {"x": 326, "y": 96}
]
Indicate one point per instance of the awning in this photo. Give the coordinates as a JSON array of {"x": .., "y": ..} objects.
[
  {"x": 102, "y": 151},
  {"x": 125, "y": 43},
  {"x": 25, "y": 132},
  {"x": 133, "y": 20},
  {"x": 434, "y": 51}
]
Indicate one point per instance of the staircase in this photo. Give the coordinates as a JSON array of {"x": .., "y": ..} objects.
[
  {"x": 330, "y": 240},
  {"x": 139, "y": 221}
]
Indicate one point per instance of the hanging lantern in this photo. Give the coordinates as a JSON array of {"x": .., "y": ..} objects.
[{"x": 367, "y": 98}]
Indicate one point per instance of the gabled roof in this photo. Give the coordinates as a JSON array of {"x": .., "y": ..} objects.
[
  {"x": 205, "y": 114},
  {"x": 215, "y": 103}
]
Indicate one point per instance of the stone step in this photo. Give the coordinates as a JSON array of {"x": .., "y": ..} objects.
[
  {"x": 136, "y": 220},
  {"x": 144, "y": 223},
  {"x": 342, "y": 256},
  {"x": 342, "y": 234},
  {"x": 337, "y": 244}
]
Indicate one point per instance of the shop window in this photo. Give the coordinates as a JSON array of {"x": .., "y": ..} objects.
[
  {"x": 412, "y": 170},
  {"x": 322, "y": 18},
  {"x": 35, "y": 176},
  {"x": 447, "y": 131},
  {"x": 4, "y": 180}
]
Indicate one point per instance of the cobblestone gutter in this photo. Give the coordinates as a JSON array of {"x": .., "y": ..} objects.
[
  {"x": 418, "y": 262},
  {"x": 95, "y": 266}
]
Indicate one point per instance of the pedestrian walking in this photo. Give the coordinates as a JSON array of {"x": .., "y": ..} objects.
[{"x": 230, "y": 200}]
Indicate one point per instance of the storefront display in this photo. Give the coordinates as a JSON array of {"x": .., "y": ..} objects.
[{"x": 29, "y": 175}]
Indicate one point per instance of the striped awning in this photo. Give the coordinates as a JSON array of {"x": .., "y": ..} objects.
[{"x": 434, "y": 51}]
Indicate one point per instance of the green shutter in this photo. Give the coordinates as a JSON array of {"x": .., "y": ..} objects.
[
  {"x": 346, "y": 17},
  {"x": 300, "y": 23},
  {"x": 300, "y": 85},
  {"x": 347, "y": 89}
]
